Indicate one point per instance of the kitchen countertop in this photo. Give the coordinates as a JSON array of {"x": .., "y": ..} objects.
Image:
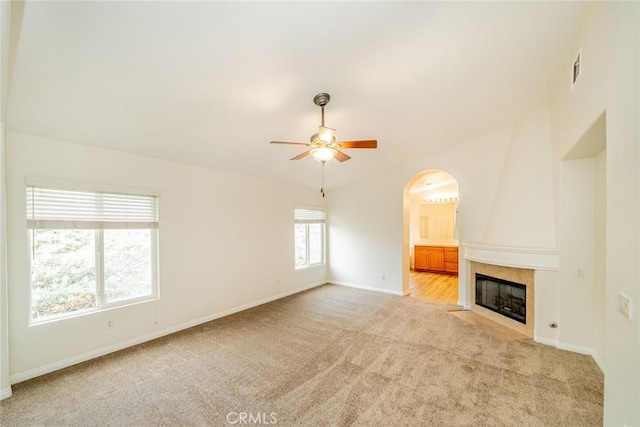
[{"x": 440, "y": 243}]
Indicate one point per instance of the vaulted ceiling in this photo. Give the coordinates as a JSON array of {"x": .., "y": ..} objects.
[{"x": 211, "y": 83}]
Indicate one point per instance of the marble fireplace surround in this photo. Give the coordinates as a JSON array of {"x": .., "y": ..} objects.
[
  {"x": 512, "y": 264},
  {"x": 512, "y": 274}
]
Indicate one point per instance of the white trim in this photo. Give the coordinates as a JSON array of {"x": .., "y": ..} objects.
[
  {"x": 464, "y": 304},
  {"x": 573, "y": 348},
  {"x": 32, "y": 373},
  {"x": 598, "y": 360},
  {"x": 546, "y": 341},
  {"x": 5, "y": 393},
  {"x": 583, "y": 350},
  {"x": 532, "y": 258},
  {"x": 366, "y": 288}
]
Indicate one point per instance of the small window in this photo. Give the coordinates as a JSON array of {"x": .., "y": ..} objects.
[
  {"x": 309, "y": 237},
  {"x": 90, "y": 250}
]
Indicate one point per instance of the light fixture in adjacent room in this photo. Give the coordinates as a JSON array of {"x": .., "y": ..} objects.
[{"x": 442, "y": 199}]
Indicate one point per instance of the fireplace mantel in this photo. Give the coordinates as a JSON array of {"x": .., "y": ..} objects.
[{"x": 532, "y": 258}]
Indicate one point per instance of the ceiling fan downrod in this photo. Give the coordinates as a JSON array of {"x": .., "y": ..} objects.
[{"x": 321, "y": 100}]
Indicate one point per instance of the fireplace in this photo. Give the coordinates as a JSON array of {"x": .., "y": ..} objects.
[
  {"x": 502, "y": 296},
  {"x": 511, "y": 305}
]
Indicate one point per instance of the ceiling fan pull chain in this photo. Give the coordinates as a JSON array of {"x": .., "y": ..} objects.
[{"x": 322, "y": 179}]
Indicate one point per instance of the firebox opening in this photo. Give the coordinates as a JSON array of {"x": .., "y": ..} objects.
[{"x": 502, "y": 296}]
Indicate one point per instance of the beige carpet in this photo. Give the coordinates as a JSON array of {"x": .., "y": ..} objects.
[{"x": 328, "y": 356}]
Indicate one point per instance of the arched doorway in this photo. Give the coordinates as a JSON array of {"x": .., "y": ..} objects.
[{"x": 431, "y": 236}]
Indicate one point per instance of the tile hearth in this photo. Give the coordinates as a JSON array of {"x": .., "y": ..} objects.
[{"x": 488, "y": 326}]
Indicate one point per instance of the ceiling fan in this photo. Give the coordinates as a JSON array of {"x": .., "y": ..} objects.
[{"x": 323, "y": 145}]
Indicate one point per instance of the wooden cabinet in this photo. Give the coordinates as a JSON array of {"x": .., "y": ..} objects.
[
  {"x": 437, "y": 259},
  {"x": 451, "y": 260},
  {"x": 420, "y": 258}
]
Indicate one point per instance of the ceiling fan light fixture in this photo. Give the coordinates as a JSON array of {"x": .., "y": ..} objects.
[{"x": 323, "y": 154}]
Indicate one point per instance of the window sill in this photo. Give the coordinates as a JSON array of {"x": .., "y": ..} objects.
[
  {"x": 90, "y": 311},
  {"x": 307, "y": 267}
]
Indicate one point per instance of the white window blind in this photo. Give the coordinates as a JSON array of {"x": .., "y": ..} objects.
[
  {"x": 308, "y": 216},
  {"x": 73, "y": 209}
]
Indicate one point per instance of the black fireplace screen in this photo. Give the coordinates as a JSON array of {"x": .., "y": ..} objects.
[{"x": 502, "y": 296}]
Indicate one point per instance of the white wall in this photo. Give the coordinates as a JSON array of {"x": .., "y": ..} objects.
[
  {"x": 522, "y": 214},
  {"x": 609, "y": 41},
  {"x": 226, "y": 242},
  {"x": 366, "y": 234}
]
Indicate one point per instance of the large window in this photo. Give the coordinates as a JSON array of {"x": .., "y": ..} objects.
[
  {"x": 309, "y": 237},
  {"x": 90, "y": 250}
]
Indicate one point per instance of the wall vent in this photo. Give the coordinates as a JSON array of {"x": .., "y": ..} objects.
[{"x": 576, "y": 68}]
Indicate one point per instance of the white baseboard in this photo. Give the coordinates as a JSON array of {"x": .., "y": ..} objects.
[
  {"x": 583, "y": 350},
  {"x": 598, "y": 360},
  {"x": 5, "y": 392},
  {"x": 36, "y": 372},
  {"x": 464, "y": 305},
  {"x": 573, "y": 348},
  {"x": 546, "y": 341},
  {"x": 365, "y": 288}
]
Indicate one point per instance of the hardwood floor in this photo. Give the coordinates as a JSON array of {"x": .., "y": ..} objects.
[{"x": 434, "y": 287}]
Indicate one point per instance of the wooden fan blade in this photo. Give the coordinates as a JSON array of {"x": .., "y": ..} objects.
[
  {"x": 290, "y": 143},
  {"x": 369, "y": 143},
  {"x": 341, "y": 157},
  {"x": 301, "y": 155}
]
